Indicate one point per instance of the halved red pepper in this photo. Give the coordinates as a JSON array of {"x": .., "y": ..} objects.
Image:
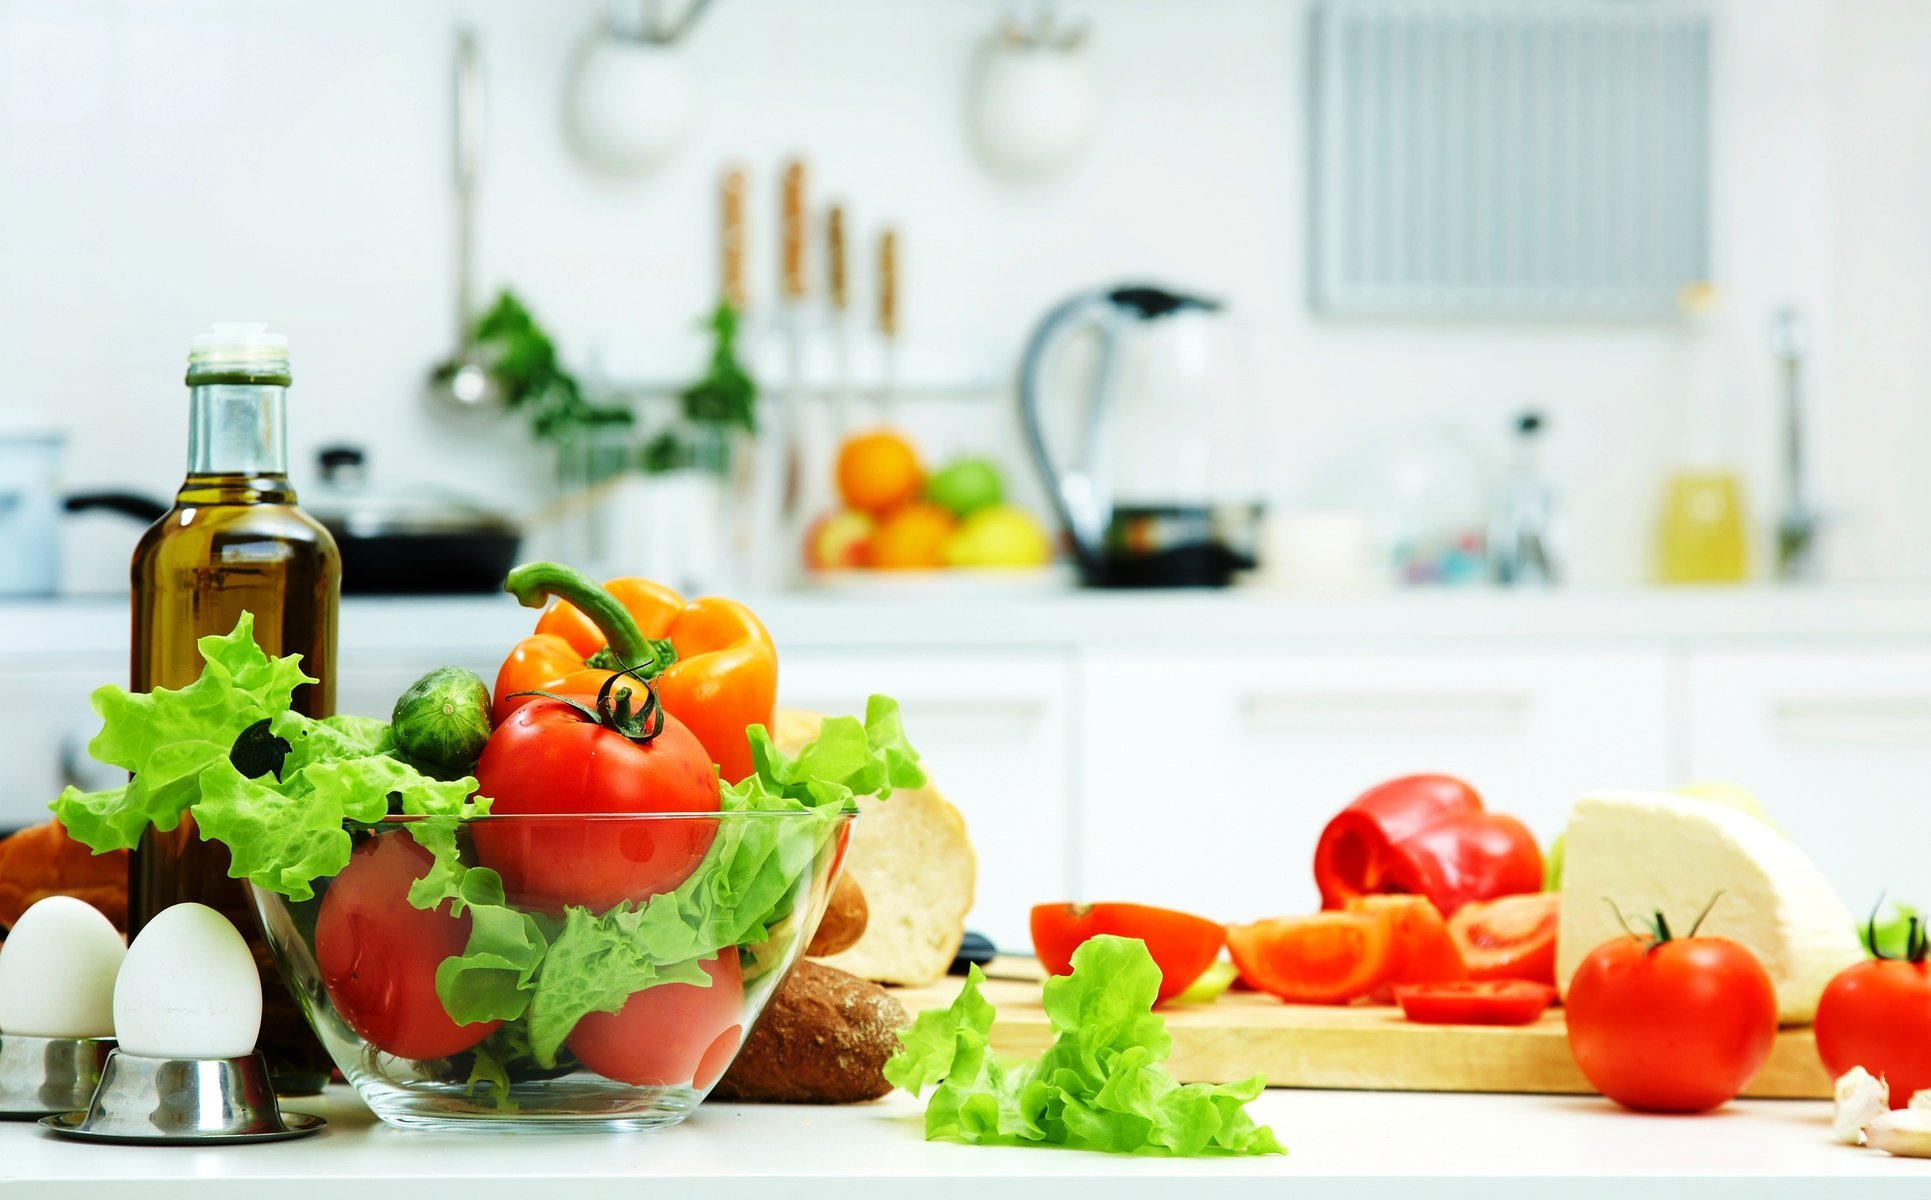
[{"x": 1427, "y": 835}]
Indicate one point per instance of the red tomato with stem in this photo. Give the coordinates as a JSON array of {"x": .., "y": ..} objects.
[
  {"x": 669, "y": 1035},
  {"x": 1877, "y": 1015},
  {"x": 1475, "y": 1002},
  {"x": 1326, "y": 958},
  {"x": 1182, "y": 945},
  {"x": 1423, "y": 951},
  {"x": 378, "y": 953},
  {"x": 557, "y": 756},
  {"x": 1513, "y": 937},
  {"x": 1665, "y": 1024}
]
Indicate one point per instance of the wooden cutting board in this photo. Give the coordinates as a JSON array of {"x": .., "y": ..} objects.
[{"x": 1354, "y": 1047}]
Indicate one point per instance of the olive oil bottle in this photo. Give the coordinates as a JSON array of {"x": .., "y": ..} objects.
[{"x": 234, "y": 541}]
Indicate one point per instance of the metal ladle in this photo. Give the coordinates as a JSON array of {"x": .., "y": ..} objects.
[{"x": 467, "y": 379}]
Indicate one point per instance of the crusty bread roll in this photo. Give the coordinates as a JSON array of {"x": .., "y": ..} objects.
[
  {"x": 911, "y": 857},
  {"x": 823, "y": 1039},
  {"x": 43, "y": 861}
]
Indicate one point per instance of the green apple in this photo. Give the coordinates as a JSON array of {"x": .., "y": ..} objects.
[{"x": 965, "y": 486}]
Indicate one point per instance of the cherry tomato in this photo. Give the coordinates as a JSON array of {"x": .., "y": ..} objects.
[
  {"x": 378, "y": 953},
  {"x": 550, "y": 756},
  {"x": 669, "y": 1035},
  {"x": 1423, "y": 952},
  {"x": 1475, "y": 1002},
  {"x": 1877, "y": 1015},
  {"x": 1326, "y": 958},
  {"x": 1513, "y": 937},
  {"x": 1182, "y": 945},
  {"x": 1679, "y": 1025}
]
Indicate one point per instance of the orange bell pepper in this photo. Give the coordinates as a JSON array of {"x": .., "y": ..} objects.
[{"x": 711, "y": 660}]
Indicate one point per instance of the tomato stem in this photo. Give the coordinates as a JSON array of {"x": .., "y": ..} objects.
[{"x": 614, "y": 712}]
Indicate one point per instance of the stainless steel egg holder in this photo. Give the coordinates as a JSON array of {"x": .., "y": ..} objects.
[
  {"x": 194, "y": 1100},
  {"x": 40, "y": 1075}
]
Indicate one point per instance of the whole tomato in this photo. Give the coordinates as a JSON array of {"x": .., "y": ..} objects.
[
  {"x": 669, "y": 1035},
  {"x": 1667, "y": 1024},
  {"x": 378, "y": 953},
  {"x": 1877, "y": 1015},
  {"x": 557, "y": 756}
]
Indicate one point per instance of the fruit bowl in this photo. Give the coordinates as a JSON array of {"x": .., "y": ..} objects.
[{"x": 581, "y": 972}]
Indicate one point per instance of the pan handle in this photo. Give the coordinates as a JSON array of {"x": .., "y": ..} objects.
[{"x": 128, "y": 504}]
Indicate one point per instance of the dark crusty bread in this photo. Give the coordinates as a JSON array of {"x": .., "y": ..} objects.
[
  {"x": 823, "y": 1039},
  {"x": 844, "y": 920}
]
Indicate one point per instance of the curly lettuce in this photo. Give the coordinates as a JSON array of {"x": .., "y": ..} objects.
[{"x": 1101, "y": 1085}]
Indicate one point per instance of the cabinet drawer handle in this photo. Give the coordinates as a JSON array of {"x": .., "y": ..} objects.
[
  {"x": 1004, "y": 710},
  {"x": 1465, "y": 711},
  {"x": 1865, "y": 720}
]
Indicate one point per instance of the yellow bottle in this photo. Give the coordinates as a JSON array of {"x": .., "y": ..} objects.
[{"x": 1704, "y": 537}]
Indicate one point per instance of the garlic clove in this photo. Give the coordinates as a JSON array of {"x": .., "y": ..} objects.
[
  {"x": 1920, "y": 1100},
  {"x": 1905, "y": 1132},
  {"x": 1861, "y": 1098}
]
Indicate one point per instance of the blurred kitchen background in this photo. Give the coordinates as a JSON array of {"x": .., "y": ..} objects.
[{"x": 1452, "y": 328}]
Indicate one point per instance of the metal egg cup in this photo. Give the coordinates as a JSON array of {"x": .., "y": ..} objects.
[
  {"x": 41, "y": 1075},
  {"x": 198, "y": 1100}
]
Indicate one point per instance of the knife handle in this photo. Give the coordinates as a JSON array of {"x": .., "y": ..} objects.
[
  {"x": 731, "y": 237},
  {"x": 835, "y": 283},
  {"x": 792, "y": 225},
  {"x": 888, "y": 283}
]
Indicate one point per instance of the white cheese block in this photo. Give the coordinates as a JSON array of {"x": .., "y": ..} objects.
[{"x": 1646, "y": 850}]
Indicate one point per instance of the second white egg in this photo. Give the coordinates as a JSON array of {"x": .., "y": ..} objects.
[{"x": 188, "y": 988}]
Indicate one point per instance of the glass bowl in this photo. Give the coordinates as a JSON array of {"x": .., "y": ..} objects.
[{"x": 591, "y": 972}]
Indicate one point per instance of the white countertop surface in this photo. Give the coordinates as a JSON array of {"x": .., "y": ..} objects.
[
  {"x": 912, "y": 613},
  {"x": 1342, "y": 1146}
]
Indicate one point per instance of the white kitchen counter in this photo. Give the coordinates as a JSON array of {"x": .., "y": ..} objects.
[
  {"x": 914, "y": 613},
  {"x": 1342, "y": 1146}
]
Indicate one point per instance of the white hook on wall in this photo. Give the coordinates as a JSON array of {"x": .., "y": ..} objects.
[
  {"x": 1035, "y": 95},
  {"x": 629, "y": 99}
]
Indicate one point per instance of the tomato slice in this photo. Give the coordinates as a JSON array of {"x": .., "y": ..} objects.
[
  {"x": 1182, "y": 945},
  {"x": 1475, "y": 1002},
  {"x": 1327, "y": 958},
  {"x": 1423, "y": 952},
  {"x": 1511, "y": 937}
]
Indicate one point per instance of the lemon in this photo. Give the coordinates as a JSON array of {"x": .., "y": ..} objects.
[{"x": 999, "y": 536}]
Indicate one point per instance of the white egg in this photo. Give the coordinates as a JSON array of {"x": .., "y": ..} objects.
[
  {"x": 188, "y": 988},
  {"x": 57, "y": 971}
]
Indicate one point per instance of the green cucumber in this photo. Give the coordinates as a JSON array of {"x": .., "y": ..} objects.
[{"x": 442, "y": 720}]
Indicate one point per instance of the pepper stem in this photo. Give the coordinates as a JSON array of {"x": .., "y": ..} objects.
[{"x": 534, "y": 583}]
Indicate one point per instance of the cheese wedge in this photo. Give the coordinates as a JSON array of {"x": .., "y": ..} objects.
[{"x": 1643, "y": 851}]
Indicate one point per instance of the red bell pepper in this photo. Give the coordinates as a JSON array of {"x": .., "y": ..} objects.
[{"x": 1427, "y": 835}]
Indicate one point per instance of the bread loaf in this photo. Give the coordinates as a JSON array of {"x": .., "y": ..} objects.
[
  {"x": 910, "y": 856},
  {"x": 823, "y": 1039},
  {"x": 844, "y": 921},
  {"x": 43, "y": 861}
]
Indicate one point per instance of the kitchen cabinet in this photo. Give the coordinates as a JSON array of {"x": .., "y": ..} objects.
[
  {"x": 996, "y": 732},
  {"x": 1206, "y": 778},
  {"x": 47, "y": 723},
  {"x": 1837, "y": 744}
]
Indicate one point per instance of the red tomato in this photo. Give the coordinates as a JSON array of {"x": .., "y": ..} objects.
[
  {"x": 1423, "y": 952},
  {"x": 549, "y": 757},
  {"x": 671, "y": 1034},
  {"x": 1327, "y": 958},
  {"x": 1877, "y": 1015},
  {"x": 1475, "y": 1002},
  {"x": 1513, "y": 937},
  {"x": 1182, "y": 945},
  {"x": 378, "y": 953},
  {"x": 1674, "y": 1026}
]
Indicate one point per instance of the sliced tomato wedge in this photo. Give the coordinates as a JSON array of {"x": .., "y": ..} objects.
[
  {"x": 1423, "y": 951},
  {"x": 1475, "y": 1002},
  {"x": 1326, "y": 958},
  {"x": 1182, "y": 945},
  {"x": 1512, "y": 937}
]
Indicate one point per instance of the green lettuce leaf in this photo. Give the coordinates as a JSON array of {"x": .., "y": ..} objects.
[
  {"x": 494, "y": 977},
  {"x": 593, "y": 965},
  {"x": 1101, "y": 1085},
  {"x": 166, "y": 738}
]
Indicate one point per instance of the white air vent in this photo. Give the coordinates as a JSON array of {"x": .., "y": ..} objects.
[{"x": 1509, "y": 157}]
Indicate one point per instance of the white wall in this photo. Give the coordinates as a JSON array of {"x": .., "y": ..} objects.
[{"x": 163, "y": 165}]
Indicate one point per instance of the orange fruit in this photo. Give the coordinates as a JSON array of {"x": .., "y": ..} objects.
[
  {"x": 912, "y": 538},
  {"x": 878, "y": 471}
]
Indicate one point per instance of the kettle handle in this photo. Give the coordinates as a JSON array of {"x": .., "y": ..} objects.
[{"x": 1080, "y": 495}]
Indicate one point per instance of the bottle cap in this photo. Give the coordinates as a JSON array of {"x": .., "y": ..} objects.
[{"x": 245, "y": 347}]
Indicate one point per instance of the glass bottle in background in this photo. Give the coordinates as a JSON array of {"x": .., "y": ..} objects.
[
  {"x": 1703, "y": 535},
  {"x": 233, "y": 542}
]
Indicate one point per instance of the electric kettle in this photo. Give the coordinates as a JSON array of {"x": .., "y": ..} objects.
[{"x": 1144, "y": 389}]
